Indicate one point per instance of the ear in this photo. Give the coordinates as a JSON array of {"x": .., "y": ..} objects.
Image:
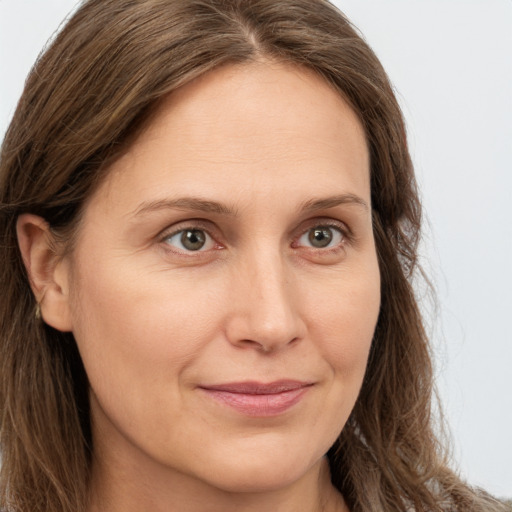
[{"x": 48, "y": 274}]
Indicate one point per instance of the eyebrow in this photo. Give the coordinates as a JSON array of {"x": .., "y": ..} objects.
[
  {"x": 209, "y": 206},
  {"x": 187, "y": 204},
  {"x": 333, "y": 201}
]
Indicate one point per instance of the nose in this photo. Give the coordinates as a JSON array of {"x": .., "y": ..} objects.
[{"x": 265, "y": 311}]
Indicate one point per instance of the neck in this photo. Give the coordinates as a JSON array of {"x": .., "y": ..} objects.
[
  {"x": 126, "y": 478},
  {"x": 127, "y": 489}
]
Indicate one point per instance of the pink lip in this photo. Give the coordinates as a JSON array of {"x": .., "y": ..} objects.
[{"x": 259, "y": 399}]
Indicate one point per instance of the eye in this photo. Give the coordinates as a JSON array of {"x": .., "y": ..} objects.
[
  {"x": 322, "y": 237},
  {"x": 190, "y": 240}
]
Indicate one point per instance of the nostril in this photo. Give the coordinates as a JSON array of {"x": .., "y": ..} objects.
[{"x": 270, "y": 345}]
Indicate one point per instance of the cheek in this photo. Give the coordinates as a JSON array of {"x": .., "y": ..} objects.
[
  {"x": 343, "y": 319},
  {"x": 131, "y": 327},
  {"x": 138, "y": 338},
  {"x": 349, "y": 306}
]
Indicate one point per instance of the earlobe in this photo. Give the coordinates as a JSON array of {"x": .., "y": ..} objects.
[{"x": 46, "y": 271}]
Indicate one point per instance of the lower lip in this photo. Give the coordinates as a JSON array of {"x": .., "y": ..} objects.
[{"x": 259, "y": 405}]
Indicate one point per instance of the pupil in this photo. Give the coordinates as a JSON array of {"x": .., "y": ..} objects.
[
  {"x": 320, "y": 237},
  {"x": 193, "y": 239}
]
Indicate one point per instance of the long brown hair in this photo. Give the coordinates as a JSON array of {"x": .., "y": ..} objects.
[{"x": 87, "y": 97}]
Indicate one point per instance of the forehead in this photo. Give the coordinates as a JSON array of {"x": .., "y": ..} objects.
[{"x": 260, "y": 125}]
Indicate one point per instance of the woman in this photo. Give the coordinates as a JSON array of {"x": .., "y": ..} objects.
[{"x": 210, "y": 222}]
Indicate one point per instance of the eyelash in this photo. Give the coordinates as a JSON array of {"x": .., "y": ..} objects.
[
  {"x": 341, "y": 228},
  {"x": 191, "y": 226}
]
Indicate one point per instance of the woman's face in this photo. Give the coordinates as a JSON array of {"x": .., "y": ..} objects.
[{"x": 224, "y": 287}]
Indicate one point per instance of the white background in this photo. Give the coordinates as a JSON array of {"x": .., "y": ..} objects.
[{"x": 451, "y": 63}]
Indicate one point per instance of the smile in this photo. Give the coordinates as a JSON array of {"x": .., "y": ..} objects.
[{"x": 259, "y": 399}]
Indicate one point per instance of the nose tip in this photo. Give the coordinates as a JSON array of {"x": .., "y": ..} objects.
[
  {"x": 266, "y": 315},
  {"x": 265, "y": 336},
  {"x": 269, "y": 337}
]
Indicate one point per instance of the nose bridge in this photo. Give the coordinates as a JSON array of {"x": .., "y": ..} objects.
[{"x": 267, "y": 313}]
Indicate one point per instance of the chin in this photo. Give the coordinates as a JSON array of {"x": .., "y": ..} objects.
[
  {"x": 255, "y": 473},
  {"x": 258, "y": 479}
]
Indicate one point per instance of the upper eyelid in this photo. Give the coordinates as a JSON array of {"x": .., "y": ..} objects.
[
  {"x": 325, "y": 222},
  {"x": 199, "y": 224}
]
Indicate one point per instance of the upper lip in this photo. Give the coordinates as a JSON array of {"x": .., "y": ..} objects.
[{"x": 259, "y": 388}]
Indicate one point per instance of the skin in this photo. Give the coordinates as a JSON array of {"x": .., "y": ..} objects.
[{"x": 271, "y": 152}]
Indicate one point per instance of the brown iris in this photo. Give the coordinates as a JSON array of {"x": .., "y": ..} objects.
[
  {"x": 193, "y": 239},
  {"x": 320, "y": 237}
]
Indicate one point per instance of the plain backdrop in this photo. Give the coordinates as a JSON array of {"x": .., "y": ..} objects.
[{"x": 451, "y": 64}]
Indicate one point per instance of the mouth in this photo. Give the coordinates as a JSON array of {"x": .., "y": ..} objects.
[{"x": 258, "y": 399}]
